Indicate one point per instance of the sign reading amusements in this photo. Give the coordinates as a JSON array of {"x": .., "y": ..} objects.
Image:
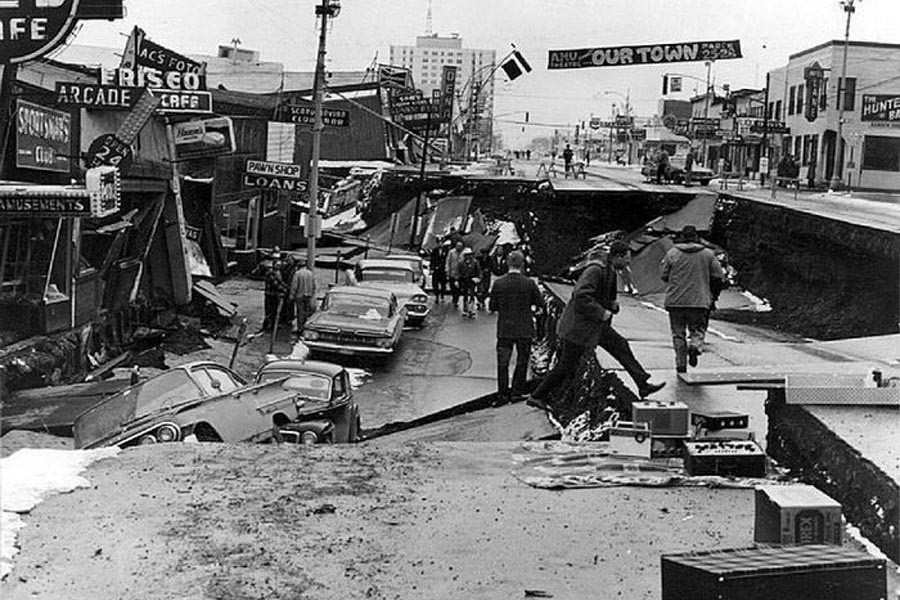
[
  {"x": 32, "y": 28},
  {"x": 880, "y": 107},
  {"x": 654, "y": 54}
]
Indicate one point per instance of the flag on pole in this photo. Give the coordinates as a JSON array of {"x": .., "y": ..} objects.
[{"x": 515, "y": 65}]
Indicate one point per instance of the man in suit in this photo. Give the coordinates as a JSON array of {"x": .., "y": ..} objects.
[
  {"x": 512, "y": 297},
  {"x": 586, "y": 323}
]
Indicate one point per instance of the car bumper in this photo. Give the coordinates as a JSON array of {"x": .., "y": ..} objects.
[
  {"x": 417, "y": 312},
  {"x": 347, "y": 348}
]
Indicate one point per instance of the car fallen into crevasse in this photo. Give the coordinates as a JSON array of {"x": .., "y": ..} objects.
[
  {"x": 199, "y": 401},
  {"x": 355, "y": 320},
  {"x": 329, "y": 413}
]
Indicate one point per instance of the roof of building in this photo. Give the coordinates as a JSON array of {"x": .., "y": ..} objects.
[{"x": 841, "y": 43}]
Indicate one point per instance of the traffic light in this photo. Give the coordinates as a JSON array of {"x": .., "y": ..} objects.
[{"x": 665, "y": 85}]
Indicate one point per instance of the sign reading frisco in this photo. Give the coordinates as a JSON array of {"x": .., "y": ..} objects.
[
  {"x": 880, "y": 107},
  {"x": 655, "y": 54},
  {"x": 273, "y": 176}
]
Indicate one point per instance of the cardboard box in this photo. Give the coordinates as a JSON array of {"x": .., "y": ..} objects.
[
  {"x": 726, "y": 458},
  {"x": 796, "y": 514},
  {"x": 812, "y": 572},
  {"x": 665, "y": 418}
]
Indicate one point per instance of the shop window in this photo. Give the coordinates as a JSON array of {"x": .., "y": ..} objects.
[
  {"x": 881, "y": 153},
  {"x": 778, "y": 110},
  {"x": 33, "y": 257},
  {"x": 791, "y": 96},
  {"x": 848, "y": 97},
  {"x": 799, "y": 108},
  {"x": 823, "y": 97}
]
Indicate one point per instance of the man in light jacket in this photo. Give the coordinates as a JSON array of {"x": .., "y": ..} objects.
[
  {"x": 303, "y": 292},
  {"x": 689, "y": 268},
  {"x": 454, "y": 260}
]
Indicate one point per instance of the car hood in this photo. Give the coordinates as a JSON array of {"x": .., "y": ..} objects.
[
  {"x": 326, "y": 320},
  {"x": 403, "y": 291}
]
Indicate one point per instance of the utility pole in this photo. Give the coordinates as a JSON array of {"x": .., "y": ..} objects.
[
  {"x": 706, "y": 111},
  {"x": 838, "y": 166},
  {"x": 414, "y": 230},
  {"x": 764, "y": 147},
  {"x": 328, "y": 8}
]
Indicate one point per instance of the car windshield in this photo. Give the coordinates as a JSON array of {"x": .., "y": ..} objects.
[
  {"x": 308, "y": 385},
  {"x": 387, "y": 274},
  {"x": 362, "y": 307}
]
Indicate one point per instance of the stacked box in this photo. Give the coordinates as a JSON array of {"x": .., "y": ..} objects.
[
  {"x": 716, "y": 420},
  {"x": 630, "y": 439},
  {"x": 665, "y": 418},
  {"x": 811, "y": 572},
  {"x": 727, "y": 458},
  {"x": 796, "y": 514}
]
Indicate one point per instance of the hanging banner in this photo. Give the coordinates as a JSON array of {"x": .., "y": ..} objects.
[
  {"x": 657, "y": 54},
  {"x": 880, "y": 107},
  {"x": 43, "y": 138}
]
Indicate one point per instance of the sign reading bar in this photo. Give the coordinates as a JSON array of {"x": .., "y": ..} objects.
[
  {"x": 880, "y": 107},
  {"x": 306, "y": 115},
  {"x": 29, "y": 29},
  {"x": 643, "y": 55},
  {"x": 43, "y": 138}
]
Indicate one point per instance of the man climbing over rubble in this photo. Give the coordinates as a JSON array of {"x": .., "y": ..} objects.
[
  {"x": 586, "y": 322},
  {"x": 691, "y": 272}
]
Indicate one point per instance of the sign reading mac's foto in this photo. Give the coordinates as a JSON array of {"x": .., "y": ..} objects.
[{"x": 43, "y": 138}]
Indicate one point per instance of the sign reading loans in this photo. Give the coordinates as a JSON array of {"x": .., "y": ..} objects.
[
  {"x": 273, "y": 176},
  {"x": 32, "y": 28},
  {"x": 880, "y": 107},
  {"x": 43, "y": 138},
  {"x": 656, "y": 54}
]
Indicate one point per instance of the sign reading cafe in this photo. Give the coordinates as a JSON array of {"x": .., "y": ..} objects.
[
  {"x": 32, "y": 28},
  {"x": 644, "y": 55}
]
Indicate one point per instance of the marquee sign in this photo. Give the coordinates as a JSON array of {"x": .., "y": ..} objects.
[
  {"x": 43, "y": 138},
  {"x": 32, "y": 28},
  {"x": 880, "y": 107},
  {"x": 643, "y": 55}
]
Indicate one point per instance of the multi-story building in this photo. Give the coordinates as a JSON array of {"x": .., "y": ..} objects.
[
  {"x": 474, "y": 83},
  {"x": 869, "y": 155}
]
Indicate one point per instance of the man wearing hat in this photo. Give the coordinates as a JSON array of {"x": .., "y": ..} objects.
[
  {"x": 303, "y": 293},
  {"x": 276, "y": 290},
  {"x": 689, "y": 269}
]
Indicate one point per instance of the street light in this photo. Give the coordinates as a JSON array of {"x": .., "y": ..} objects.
[
  {"x": 627, "y": 98},
  {"x": 836, "y": 173}
]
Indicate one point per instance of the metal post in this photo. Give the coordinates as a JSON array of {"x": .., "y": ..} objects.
[
  {"x": 706, "y": 111},
  {"x": 841, "y": 88},
  {"x": 414, "y": 230},
  {"x": 763, "y": 147},
  {"x": 324, "y": 10}
]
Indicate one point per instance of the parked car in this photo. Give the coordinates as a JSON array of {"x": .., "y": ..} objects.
[
  {"x": 356, "y": 319},
  {"x": 199, "y": 401},
  {"x": 329, "y": 413},
  {"x": 416, "y": 262},
  {"x": 675, "y": 172},
  {"x": 400, "y": 278}
]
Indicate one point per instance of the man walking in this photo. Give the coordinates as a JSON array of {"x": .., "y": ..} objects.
[
  {"x": 276, "y": 291},
  {"x": 469, "y": 276},
  {"x": 586, "y": 323},
  {"x": 662, "y": 166},
  {"x": 438, "y": 265},
  {"x": 689, "y": 269},
  {"x": 567, "y": 158},
  {"x": 454, "y": 260},
  {"x": 688, "y": 167},
  {"x": 303, "y": 293},
  {"x": 512, "y": 297}
]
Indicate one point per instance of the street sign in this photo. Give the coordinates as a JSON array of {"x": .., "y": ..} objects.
[
  {"x": 880, "y": 107},
  {"x": 204, "y": 138},
  {"x": 275, "y": 169},
  {"x": 108, "y": 149},
  {"x": 94, "y": 95},
  {"x": 43, "y": 138},
  {"x": 32, "y": 28},
  {"x": 183, "y": 101},
  {"x": 306, "y": 115}
]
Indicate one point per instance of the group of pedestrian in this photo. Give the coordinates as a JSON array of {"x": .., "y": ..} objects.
[{"x": 290, "y": 292}]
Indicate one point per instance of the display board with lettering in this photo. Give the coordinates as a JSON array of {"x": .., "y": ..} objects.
[
  {"x": 652, "y": 54},
  {"x": 43, "y": 138}
]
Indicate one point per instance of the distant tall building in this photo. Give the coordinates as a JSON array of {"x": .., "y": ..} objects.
[{"x": 475, "y": 73}]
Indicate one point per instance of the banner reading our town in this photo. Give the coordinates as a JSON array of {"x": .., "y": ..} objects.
[{"x": 651, "y": 54}]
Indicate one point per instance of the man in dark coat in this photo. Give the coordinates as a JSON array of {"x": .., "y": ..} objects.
[
  {"x": 512, "y": 297},
  {"x": 438, "y": 265},
  {"x": 586, "y": 323},
  {"x": 276, "y": 291}
]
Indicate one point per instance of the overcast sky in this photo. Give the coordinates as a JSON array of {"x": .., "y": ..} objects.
[{"x": 285, "y": 31}]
